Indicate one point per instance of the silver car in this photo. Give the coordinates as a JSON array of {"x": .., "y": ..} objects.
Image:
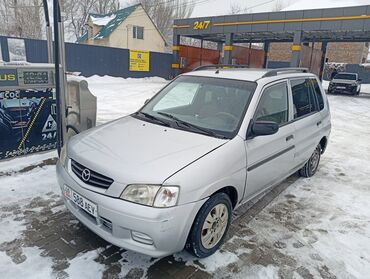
[{"x": 170, "y": 175}]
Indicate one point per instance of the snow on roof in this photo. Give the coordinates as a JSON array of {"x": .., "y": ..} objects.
[
  {"x": 321, "y": 4},
  {"x": 109, "y": 22},
  {"x": 102, "y": 20}
]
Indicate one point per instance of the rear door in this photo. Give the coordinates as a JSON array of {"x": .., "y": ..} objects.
[
  {"x": 270, "y": 158},
  {"x": 307, "y": 118}
]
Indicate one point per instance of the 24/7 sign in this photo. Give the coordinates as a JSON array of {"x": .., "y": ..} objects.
[{"x": 201, "y": 25}]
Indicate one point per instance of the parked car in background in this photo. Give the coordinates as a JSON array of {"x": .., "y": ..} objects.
[
  {"x": 170, "y": 175},
  {"x": 348, "y": 83}
]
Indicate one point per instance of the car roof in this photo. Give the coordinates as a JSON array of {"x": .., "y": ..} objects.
[{"x": 247, "y": 74}]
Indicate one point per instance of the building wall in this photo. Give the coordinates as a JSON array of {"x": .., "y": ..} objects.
[
  {"x": 122, "y": 36},
  {"x": 352, "y": 53},
  {"x": 152, "y": 41}
]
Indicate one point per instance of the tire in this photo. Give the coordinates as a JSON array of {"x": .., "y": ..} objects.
[
  {"x": 203, "y": 241},
  {"x": 310, "y": 168}
]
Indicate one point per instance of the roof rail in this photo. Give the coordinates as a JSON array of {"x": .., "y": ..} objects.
[
  {"x": 219, "y": 66},
  {"x": 275, "y": 72}
]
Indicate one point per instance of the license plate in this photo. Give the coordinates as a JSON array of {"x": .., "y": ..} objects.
[
  {"x": 80, "y": 201},
  {"x": 341, "y": 87}
]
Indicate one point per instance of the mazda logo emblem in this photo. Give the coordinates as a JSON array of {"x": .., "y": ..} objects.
[{"x": 86, "y": 175}]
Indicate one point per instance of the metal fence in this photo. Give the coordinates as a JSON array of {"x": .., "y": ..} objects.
[{"x": 86, "y": 59}]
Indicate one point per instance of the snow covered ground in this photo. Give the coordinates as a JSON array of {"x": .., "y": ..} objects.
[{"x": 316, "y": 228}]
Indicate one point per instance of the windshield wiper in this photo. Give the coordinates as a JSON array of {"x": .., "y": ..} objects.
[
  {"x": 192, "y": 126},
  {"x": 152, "y": 117}
]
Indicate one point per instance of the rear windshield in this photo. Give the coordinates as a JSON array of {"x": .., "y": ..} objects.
[{"x": 346, "y": 76}]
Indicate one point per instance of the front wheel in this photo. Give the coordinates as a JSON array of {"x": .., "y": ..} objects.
[
  {"x": 310, "y": 168},
  {"x": 210, "y": 226}
]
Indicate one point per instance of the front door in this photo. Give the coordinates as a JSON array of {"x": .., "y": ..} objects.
[{"x": 271, "y": 158}]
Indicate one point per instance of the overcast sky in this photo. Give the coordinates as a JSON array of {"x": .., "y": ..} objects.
[{"x": 220, "y": 7}]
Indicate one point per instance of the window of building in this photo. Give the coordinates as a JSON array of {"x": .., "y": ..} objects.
[
  {"x": 274, "y": 104},
  {"x": 138, "y": 32},
  {"x": 303, "y": 97}
]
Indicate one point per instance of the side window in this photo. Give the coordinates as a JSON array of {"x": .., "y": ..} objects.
[
  {"x": 304, "y": 101},
  {"x": 318, "y": 94},
  {"x": 273, "y": 105}
]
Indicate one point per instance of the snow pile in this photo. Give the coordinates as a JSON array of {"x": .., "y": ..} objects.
[
  {"x": 319, "y": 4},
  {"x": 35, "y": 266},
  {"x": 85, "y": 266},
  {"x": 118, "y": 97},
  {"x": 102, "y": 21}
]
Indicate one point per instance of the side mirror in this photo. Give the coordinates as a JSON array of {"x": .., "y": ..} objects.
[
  {"x": 264, "y": 128},
  {"x": 360, "y": 79},
  {"x": 146, "y": 101}
]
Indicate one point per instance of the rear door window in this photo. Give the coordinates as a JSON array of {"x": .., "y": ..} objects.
[{"x": 304, "y": 100}]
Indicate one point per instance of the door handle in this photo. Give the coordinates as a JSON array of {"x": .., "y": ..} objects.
[
  {"x": 318, "y": 123},
  {"x": 289, "y": 138}
]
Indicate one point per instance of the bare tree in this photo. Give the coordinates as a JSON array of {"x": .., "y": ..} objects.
[
  {"x": 163, "y": 13},
  {"x": 106, "y": 6},
  {"x": 279, "y": 5},
  {"x": 236, "y": 8},
  {"x": 77, "y": 13},
  {"x": 21, "y": 18}
]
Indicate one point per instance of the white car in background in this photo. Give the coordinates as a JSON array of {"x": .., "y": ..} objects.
[
  {"x": 349, "y": 83},
  {"x": 170, "y": 175}
]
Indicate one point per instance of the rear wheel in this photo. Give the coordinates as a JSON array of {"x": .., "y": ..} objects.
[
  {"x": 312, "y": 165},
  {"x": 210, "y": 226}
]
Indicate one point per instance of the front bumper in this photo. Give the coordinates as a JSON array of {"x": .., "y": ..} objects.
[
  {"x": 158, "y": 232},
  {"x": 343, "y": 89}
]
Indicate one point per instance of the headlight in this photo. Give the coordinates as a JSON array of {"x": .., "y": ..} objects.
[
  {"x": 151, "y": 195},
  {"x": 63, "y": 155}
]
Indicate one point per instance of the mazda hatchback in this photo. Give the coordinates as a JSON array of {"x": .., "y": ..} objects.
[{"x": 169, "y": 176}]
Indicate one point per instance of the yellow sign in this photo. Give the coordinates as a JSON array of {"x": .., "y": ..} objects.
[
  {"x": 139, "y": 61},
  {"x": 7, "y": 77},
  {"x": 201, "y": 25}
]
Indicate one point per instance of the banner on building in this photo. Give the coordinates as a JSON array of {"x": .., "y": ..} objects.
[{"x": 139, "y": 61}]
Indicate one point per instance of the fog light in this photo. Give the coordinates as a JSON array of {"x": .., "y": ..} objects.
[{"x": 142, "y": 238}]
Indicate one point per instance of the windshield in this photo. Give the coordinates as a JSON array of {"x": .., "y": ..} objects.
[
  {"x": 201, "y": 104},
  {"x": 346, "y": 76}
]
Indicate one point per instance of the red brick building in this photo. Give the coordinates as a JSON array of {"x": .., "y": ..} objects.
[{"x": 351, "y": 53}]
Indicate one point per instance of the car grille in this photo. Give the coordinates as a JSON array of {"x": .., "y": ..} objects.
[{"x": 94, "y": 179}]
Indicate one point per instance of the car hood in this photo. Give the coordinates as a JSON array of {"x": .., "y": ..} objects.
[{"x": 130, "y": 150}]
